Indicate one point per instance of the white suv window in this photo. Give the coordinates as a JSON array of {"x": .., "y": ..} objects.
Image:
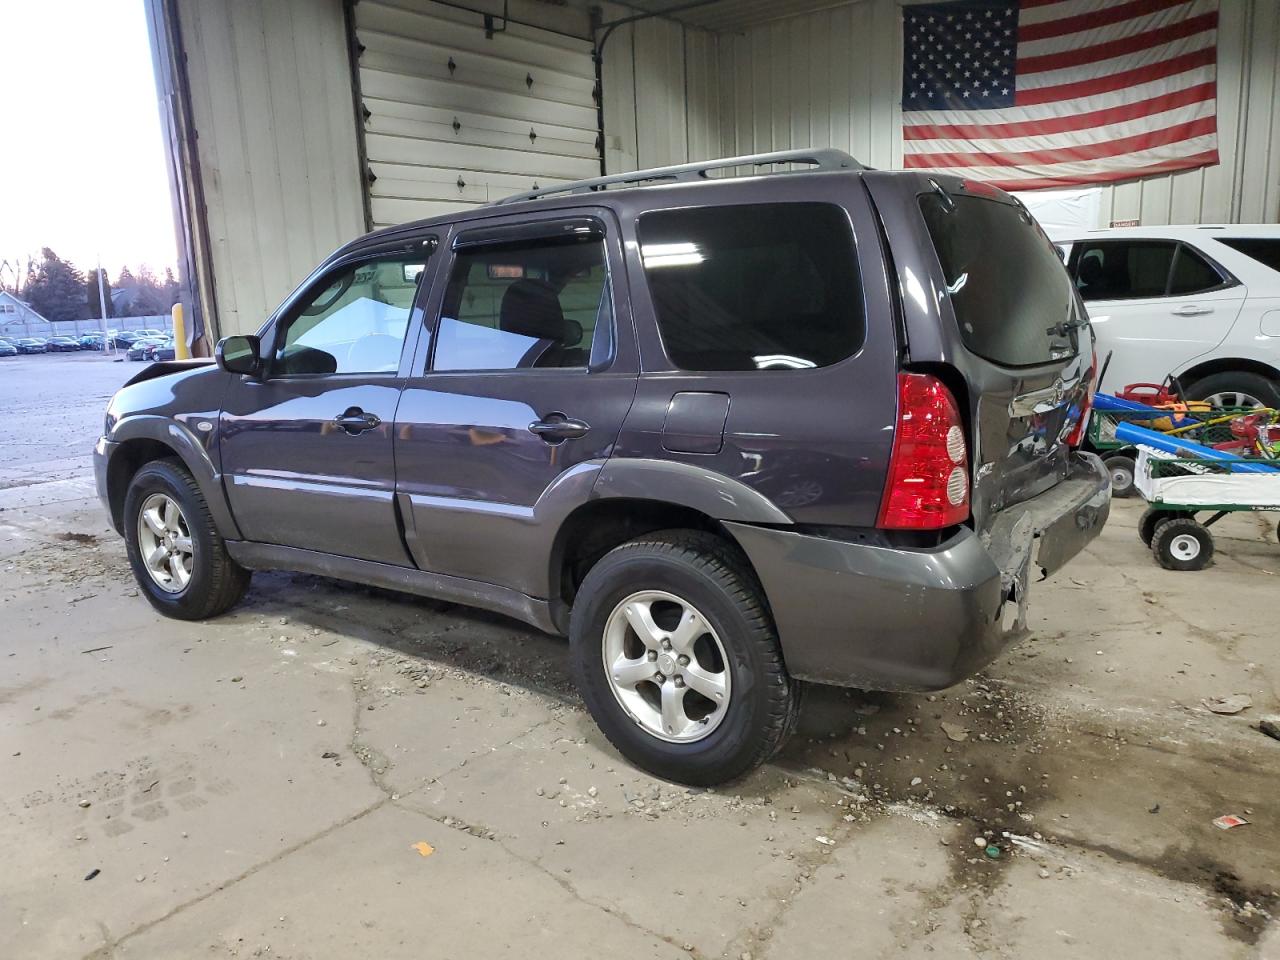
[
  {"x": 1265, "y": 250},
  {"x": 1140, "y": 269}
]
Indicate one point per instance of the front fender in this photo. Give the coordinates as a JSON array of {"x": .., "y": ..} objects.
[{"x": 189, "y": 442}]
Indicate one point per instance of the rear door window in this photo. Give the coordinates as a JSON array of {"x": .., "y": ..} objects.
[
  {"x": 754, "y": 287},
  {"x": 1141, "y": 270},
  {"x": 1123, "y": 269},
  {"x": 532, "y": 303},
  {"x": 1265, "y": 250},
  {"x": 1011, "y": 295}
]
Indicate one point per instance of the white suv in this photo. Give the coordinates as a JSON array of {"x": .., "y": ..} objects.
[{"x": 1199, "y": 303}]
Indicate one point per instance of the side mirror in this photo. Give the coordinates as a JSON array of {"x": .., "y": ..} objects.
[{"x": 239, "y": 355}]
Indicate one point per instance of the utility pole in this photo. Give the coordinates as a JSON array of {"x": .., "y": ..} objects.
[{"x": 109, "y": 341}]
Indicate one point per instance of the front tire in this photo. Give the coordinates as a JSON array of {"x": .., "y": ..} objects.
[
  {"x": 678, "y": 660},
  {"x": 177, "y": 555}
]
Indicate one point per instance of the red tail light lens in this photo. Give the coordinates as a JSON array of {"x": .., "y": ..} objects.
[
  {"x": 1076, "y": 437},
  {"x": 928, "y": 484}
]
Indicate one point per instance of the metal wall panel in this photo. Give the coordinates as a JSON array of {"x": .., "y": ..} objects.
[
  {"x": 276, "y": 138},
  {"x": 831, "y": 78},
  {"x": 513, "y": 111}
]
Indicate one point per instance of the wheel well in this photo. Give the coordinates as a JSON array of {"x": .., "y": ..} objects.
[
  {"x": 595, "y": 528},
  {"x": 125, "y": 462},
  {"x": 1188, "y": 378}
]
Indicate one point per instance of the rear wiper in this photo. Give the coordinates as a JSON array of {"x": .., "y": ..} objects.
[{"x": 1066, "y": 326}]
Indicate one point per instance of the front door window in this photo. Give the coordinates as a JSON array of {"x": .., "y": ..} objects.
[{"x": 355, "y": 324}]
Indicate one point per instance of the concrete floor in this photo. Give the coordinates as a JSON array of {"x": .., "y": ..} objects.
[{"x": 258, "y": 786}]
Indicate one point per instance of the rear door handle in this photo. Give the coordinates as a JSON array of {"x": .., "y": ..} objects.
[
  {"x": 555, "y": 427},
  {"x": 1192, "y": 310},
  {"x": 355, "y": 421}
]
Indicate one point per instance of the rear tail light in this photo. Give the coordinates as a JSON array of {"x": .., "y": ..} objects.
[
  {"x": 928, "y": 485},
  {"x": 1076, "y": 437}
]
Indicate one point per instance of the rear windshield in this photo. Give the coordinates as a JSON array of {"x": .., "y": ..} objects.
[
  {"x": 1011, "y": 294},
  {"x": 1263, "y": 249}
]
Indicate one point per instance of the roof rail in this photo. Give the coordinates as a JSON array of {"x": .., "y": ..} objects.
[{"x": 820, "y": 159}]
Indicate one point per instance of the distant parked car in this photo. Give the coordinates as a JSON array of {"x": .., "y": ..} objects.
[
  {"x": 7, "y": 349},
  {"x": 151, "y": 333},
  {"x": 162, "y": 351},
  {"x": 126, "y": 339},
  {"x": 30, "y": 345},
  {"x": 141, "y": 348},
  {"x": 93, "y": 341},
  {"x": 62, "y": 345}
]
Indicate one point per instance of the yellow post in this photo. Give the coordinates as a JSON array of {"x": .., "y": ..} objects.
[{"x": 180, "y": 349}]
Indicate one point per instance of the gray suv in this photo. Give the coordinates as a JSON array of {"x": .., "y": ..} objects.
[{"x": 727, "y": 434}]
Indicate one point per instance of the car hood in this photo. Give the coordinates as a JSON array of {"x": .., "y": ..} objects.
[{"x": 165, "y": 368}]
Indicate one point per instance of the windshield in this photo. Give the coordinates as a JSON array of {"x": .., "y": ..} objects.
[{"x": 1012, "y": 297}]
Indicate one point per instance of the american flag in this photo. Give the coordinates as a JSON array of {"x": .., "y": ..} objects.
[{"x": 1051, "y": 93}]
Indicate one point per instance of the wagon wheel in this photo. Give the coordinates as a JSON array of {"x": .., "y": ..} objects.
[
  {"x": 1182, "y": 544},
  {"x": 1152, "y": 518}
]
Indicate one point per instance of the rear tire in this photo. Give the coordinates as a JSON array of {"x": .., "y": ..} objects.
[
  {"x": 1237, "y": 388},
  {"x": 1121, "y": 467},
  {"x": 657, "y": 580},
  {"x": 204, "y": 581},
  {"x": 1182, "y": 544}
]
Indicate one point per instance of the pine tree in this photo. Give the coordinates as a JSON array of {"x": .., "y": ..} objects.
[
  {"x": 55, "y": 289},
  {"x": 171, "y": 288},
  {"x": 91, "y": 290}
]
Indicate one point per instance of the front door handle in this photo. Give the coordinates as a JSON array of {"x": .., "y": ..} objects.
[
  {"x": 555, "y": 427},
  {"x": 1192, "y": 310},
  {"x": 355, "y": 421}
]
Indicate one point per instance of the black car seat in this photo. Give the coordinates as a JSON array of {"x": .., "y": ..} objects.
[
  {"x": 531, "y": 308},
  {"x": 1090, "y": 279}
]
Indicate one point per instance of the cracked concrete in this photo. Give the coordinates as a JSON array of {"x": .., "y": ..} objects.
[{"x": 255, "y": 786}]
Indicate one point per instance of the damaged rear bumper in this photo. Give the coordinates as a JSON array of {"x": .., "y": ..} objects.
[{"x": 857, "y": 613}]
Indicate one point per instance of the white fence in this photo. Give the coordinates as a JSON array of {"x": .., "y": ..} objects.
[{"x": 76, "y": 328}]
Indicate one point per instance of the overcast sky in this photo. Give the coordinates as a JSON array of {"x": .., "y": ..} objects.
[{"x": 82, "y": 164}]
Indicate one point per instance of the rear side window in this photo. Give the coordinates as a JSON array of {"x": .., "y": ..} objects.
[
  {"x": 1191, "y": 273},
  {"x": 1265, "y": 250},
  {"x": 754, "y": 287},
  {"x": 1010, "y": 293}
]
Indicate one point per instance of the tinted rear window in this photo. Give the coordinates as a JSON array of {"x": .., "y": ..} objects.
[
  {"x": 1263, "y": 249},
  {"x": 759, "y": 287},
  {"x": 1008, "y": 287}
]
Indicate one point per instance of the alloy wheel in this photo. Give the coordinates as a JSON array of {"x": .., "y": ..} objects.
[
  {"x": 164, "y": 541},
  {"x": 1233, "y": 398},
  {"x": 666, "y": 666}
]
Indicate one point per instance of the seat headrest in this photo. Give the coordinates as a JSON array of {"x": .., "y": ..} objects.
[
  {"x": 532, "y": 309},
  {"x": 1090, "y": 271}
]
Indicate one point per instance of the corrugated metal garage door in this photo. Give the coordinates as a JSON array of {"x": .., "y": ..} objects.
[{"x": 455, "y": 119}]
